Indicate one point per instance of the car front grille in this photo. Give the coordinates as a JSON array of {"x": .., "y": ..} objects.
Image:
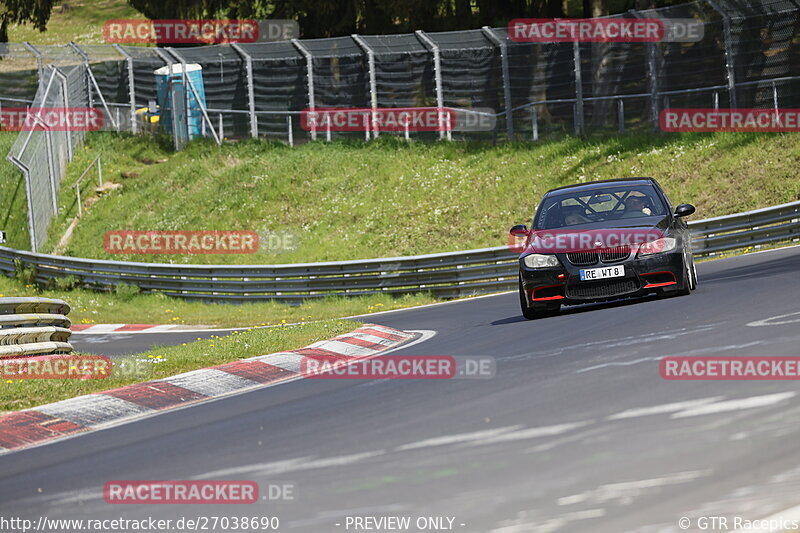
[
  {"x": 612, "y": 255},
  {"x": 582, "y": 258},
  {"x": 602, "y": 289}
]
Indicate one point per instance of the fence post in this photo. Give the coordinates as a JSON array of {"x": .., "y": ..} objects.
[
  {"x": 621, "y": 115},
  {"x": 373, "y": 84},
  {"x": 26, "y": 173},
  {"x": 729, "y": 67},
  {"x": 65, "y": 96},
  {"x": 437, "y": 73},
  {"x": 291, "y": 133},
  {"x": 492, "y": 36},
  {"x": 775, "y": 98},
  {"x": 578, "y": 109},
  {"x": 251, "y": 97},
  {"x": 131, "y": 87},
  {"x": 87, "y": 70},
  {"x": 38, "y": 56},
  {"x": 652, "y": 76},
  {"x": 534, "y": 123},
  {"x": 175, "y": 127},
  {"x": 185, "y": 81},
  {"x": 310, "y": 75}
]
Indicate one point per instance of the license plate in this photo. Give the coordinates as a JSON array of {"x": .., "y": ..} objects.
[{"x": 591, "y": 274}]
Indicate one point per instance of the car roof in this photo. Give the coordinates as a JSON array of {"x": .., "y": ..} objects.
[{"x": 580, "y": 187}]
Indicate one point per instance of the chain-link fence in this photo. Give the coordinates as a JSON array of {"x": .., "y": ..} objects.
[{"x": 749, "y": 57}]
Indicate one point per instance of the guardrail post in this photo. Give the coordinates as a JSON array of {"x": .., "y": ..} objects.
[
  {"x": 373, "y": 85},
  {"x": 437, "y": 74},
  {"x": 310, "y": 76},
  {"x": 251, "y": 98},
  {"x": 578, "y": 109},
  {"x": 729, "y": 66},
  {"x": 492, "y": 36},
  {"x": 131, "y": 87}
]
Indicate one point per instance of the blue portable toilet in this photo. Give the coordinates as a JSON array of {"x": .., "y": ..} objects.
[{"x": 194, "y": 72}]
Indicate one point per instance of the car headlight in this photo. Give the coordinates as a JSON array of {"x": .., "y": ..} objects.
[
  {"x": 658, "y": 246},
  {"x": 540, "y": 261}
]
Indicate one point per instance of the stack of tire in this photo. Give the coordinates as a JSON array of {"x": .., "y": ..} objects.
[{"x": 34, "y": 326}]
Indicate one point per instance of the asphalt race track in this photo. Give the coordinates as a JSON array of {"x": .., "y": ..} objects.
[{"x": 577, "y": 432}]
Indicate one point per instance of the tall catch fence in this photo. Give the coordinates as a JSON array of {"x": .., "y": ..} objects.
[{"x": 749, "y": 57}]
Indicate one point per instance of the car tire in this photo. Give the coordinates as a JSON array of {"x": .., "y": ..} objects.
[
  {"x": 686, "y": 286},
  {"x": 693, "y": 274},
  {"x": 533, "y": 313}
]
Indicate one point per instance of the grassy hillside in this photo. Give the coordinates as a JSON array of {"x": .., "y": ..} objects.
[
  {"x": 13, "y": 206},
  {"x": 75, "y": 20},
  {"x": 388, "y": 198}
]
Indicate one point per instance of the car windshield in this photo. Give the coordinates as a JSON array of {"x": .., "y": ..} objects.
[{"x": 576, "y": 208}]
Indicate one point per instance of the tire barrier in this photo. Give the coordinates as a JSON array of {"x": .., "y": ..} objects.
[{"x": 34, "y": 326}]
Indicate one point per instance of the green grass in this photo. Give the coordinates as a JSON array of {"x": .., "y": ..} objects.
[
  {"x": 90, "y": 307},
  {"x": 162, "y": 362},
  {"x": 388, "y": 198},
  {"x": 75, "y": 20},
  {"x": 13, "y": 206}
]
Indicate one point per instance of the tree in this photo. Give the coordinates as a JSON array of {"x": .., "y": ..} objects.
[{"x": 36, "y": 12}]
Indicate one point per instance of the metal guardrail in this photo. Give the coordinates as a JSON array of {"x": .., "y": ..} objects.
[
  {"x": 34, "y": 326},
  {"x": 446, "y": 275}
]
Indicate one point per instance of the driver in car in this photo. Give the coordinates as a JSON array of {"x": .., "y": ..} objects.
[{"x": 636, "y": 206}]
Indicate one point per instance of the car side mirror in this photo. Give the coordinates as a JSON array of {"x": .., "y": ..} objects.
[
  {"x": 517, "y": 237},
  {"x": 519, "y": 230},
  {"x": 684, "y": 210}
]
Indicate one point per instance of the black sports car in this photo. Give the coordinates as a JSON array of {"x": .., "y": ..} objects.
[{"x": 601, "y": 241}]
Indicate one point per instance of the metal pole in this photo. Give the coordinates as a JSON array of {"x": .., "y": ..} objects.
[
  {"x": 65, "y": 94},
  {"x": 729, "y": 66},
  {"x": 38, "y": 56},
  {"x": 535, "y": 123},
  {"x": 184, "y": 80},
  {"x": 775, "y": 97},
  {"x": 492, "y": 36},
  {"x": 437, "y": 73},
  {"x": 291, "y": 133},
  {"x": 310, "y": 75},
  {"x": 251, "y": 97},
  {"x": 78, "y": 194},
  {"x": 131, "y": 87},
  {"x": 576, "y": 57},
  {"x": 27, "y": 175},
  {"x": 652, "y": 71},
  {"x": 88, "y": 70},
  {"x": 175, "y": 132},
  {"x": 621, "y": 115},
  {"x": 100, "y": 169},
  {"x": 373, "y": 85},
  {"x": 716, "y": 100}
]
